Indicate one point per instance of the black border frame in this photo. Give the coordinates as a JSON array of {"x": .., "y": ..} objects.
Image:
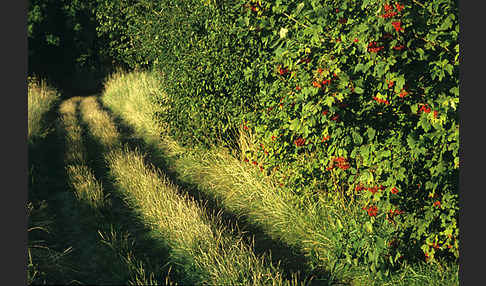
[
  {"x": 14, "y": 130},
  {"x": 14, "y": 75}
]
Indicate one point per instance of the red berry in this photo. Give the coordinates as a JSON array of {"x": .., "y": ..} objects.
[
  {"x": 403, "y": 93},
  {"x": 397, "y": 26},
  {"x": 399, "y": 7},
  {"x": 325, "y": 138}
]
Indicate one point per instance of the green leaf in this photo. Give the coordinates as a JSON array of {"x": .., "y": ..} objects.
[
  {"x": 358, "y": 90},
  {"x": 400, "y": 82},
  {"x": 414, "y": 108},
  {"x": 449, "y": 68},
  {"x": 424, "y": 122},
  {"x": 357, "y": 139},
  {"x": 299, "y": 8},
  {"x": 421, "y": 53},
  {"x": 411, "y": 141},
  {"x": 294, "y": 124},
  {"x": 368, "y": 226},
  {"x": 371, "y": 133}
]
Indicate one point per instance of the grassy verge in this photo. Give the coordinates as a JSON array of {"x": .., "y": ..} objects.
[
  {"x": 202, "y": 252},
  {"x": 320, "y": 231}
]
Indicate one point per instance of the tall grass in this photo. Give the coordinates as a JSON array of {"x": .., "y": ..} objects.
[
  {"x": 81, "y": 178},
  {"x": 208, "y": 256},
  {"x": 317, "y": 229},
  {"x": 202, "y": 252},
  {"x": 40, "y": 99},
  {"x": 122, "y": 245}
]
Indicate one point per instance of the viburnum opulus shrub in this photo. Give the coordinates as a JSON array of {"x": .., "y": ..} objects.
[{"x": 367, "y": 93}]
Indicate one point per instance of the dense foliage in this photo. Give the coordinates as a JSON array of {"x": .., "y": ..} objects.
[
  {"x": 368, "y": 93},
  {"x": 199, "y": 54},
  {"x": 62, "y": 40},
  {"x": 356, "y": 98}
]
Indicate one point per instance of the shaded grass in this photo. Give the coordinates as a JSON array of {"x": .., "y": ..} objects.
[
  {"x": 201, "y": 249},
  {"x": 242, "y": 191},
  {"x": 314, "y": 229},
  {"x": 145, "y": 243},
  {"x": 46, "y": 264},
  {"x": 47, "y": 261}
]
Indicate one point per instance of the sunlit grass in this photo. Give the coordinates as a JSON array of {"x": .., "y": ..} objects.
[
  {"x": 40, "y": 99},
  {"x": 122, "y": 245},
  {"x": 81, "y": 178},
  {"x": 91, "y": 199},
  {"x": 207, "y": 253},
  {"x": 100, "y": 125}
]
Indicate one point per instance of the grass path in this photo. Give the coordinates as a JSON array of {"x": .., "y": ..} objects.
[{"x": 100, "y": 232}]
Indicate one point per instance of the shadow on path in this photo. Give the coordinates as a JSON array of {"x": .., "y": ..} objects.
[
  {"x": 292, "y": 260},
  {"x": 46, "y": 187},
  {"x": 114, "y": 259},
  {"x": 146, "y": 245}
]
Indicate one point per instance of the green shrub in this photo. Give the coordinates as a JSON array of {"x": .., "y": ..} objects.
[
  {"x": 364, "y": 101},
  {"x": 195, "y": 45},
  {"x": 62, "y": 42}
]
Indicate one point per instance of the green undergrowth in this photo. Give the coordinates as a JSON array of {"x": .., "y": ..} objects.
[
  {"x": 344, "y": 98},
  {"x": 322, "y": 230},
  {"x": 201, "y": 250}
]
